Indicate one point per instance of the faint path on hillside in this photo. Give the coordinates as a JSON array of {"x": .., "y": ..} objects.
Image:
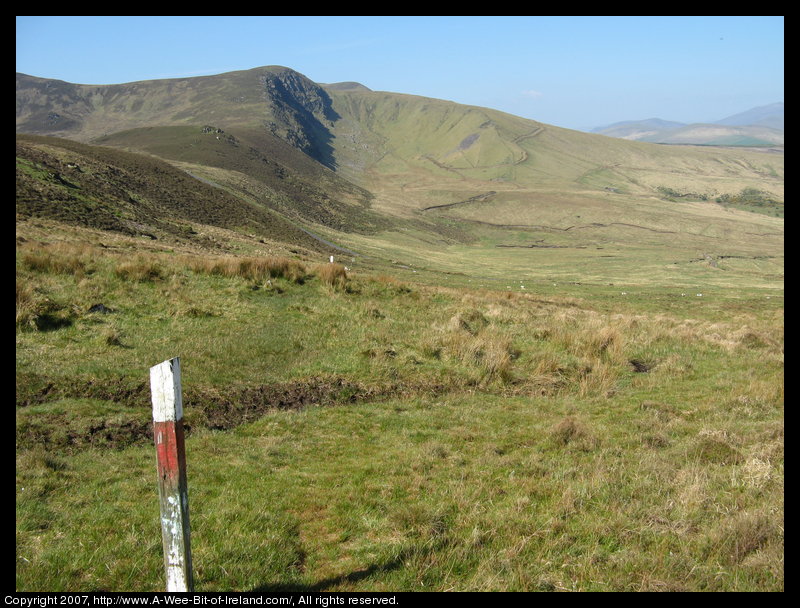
[
  {"x": 568, "y": 228},
  {"x": 443, "y": 166},
  {"x": 534, "y": 133},
  {"x": 472, "y": 199},
  {"x": 328, "y": 243}
]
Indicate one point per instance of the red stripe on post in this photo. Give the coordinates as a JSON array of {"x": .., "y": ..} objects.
[{"x": 169, "y": 448}]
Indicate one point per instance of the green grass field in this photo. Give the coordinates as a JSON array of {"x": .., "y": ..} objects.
[{"x": 396, "y": 430}]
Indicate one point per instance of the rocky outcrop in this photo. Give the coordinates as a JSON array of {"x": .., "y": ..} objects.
[{"x": 301, "y": 113}]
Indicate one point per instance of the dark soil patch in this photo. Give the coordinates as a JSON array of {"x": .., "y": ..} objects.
[
  {"x": 100, "y": 308},
  {"x": 33, "y": 389},
  {"x": 640, "y": 366},
  {"x": 204, "y": 407},
  {"x": 59, "y": 432}
]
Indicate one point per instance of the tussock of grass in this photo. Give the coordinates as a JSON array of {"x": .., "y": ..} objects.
[
  {"x": 332, "y": 275},
  {"x": 37, "y": 311},
  {"x": 59, "y": 258},
  {"x": 142, "y": 268},
  {"x": 29, "y": 306},
  {"x": 469, "y": 339},
  {"x": 250, "y": 268},
  {"x": 471, "y": 321},
  {"x": 599, "y": 378},
  {"x": 571, "y": 431},
  {"x": 742, "y": 535},
  {"x": 112, "y": 337},
  {"x": 711, "y": 447}
]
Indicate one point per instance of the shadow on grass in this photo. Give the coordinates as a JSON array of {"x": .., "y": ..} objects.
[
  {"x": 327, "y": 583},
  {"x": 396, "y": 562}
]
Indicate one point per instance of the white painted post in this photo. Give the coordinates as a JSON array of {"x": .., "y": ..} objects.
[{"x": 165, "y": 385}]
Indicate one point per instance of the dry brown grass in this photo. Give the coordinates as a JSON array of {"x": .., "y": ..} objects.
[
  {"x": 58, "y": 258},
  {"x": 571, "y": 431},
  {"x": 469, "y": 338},
  {"x": 29, "y": 306},
  {"x": 142, "y": 268},
  {"x": 333, "y": 276},
  {"x": 250, "y": 268},
  {"x": 35, "y": 310},
  {"x": 600, "y": 378}
]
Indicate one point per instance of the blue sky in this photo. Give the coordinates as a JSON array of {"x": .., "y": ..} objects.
[{"x": 574, "y": 72}]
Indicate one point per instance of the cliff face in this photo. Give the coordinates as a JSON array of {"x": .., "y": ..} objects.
[{"x": 302, "y": 113}]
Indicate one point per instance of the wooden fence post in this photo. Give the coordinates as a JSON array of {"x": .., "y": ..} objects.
[{"x": 165, "y": 385}]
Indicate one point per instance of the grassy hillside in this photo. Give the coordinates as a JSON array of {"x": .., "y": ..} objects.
[
  {"x": 131, "y": 194},
  {"x": 259, "y": 167},
  {"x": 549, "y": 360},
  {"x": 543, "y": 203},
  {"x": 403, "y": 136}
]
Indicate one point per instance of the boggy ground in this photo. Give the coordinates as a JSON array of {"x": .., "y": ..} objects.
[{"x": 208, "y": 408}]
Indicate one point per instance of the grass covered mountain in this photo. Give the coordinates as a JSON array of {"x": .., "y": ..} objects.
[
  {"x": 553, "y": 360},
  {"x": 430, "y": 183}
]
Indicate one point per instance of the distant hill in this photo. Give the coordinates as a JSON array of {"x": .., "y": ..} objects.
[
  {"x": 638, "y": 129},
  {"x": 719, "y": 135},
  {"x": 761, "y": 126},
  {"x": 764, "y": 116}
]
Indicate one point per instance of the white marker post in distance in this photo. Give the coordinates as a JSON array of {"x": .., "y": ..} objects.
[{"x": 165, "y": 385}]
